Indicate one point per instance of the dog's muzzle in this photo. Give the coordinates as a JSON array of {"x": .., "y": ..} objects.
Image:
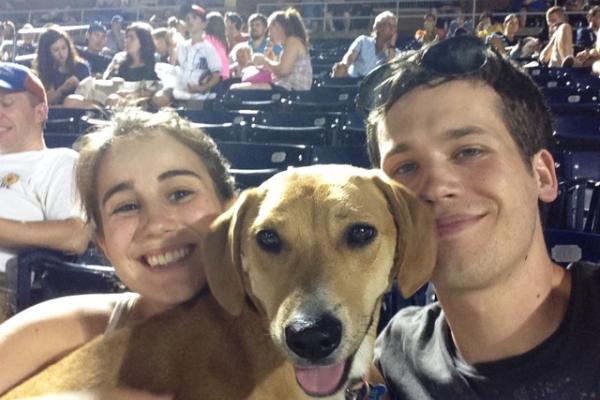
[{"x": 313, "y": 340}]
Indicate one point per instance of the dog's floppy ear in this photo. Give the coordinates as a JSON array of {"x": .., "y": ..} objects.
[
  {"x": 221, "y": 255},
  {"x": 416, "y": 249}
]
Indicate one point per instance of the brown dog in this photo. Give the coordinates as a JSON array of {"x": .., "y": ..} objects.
[{"x": 297, "y": 269}]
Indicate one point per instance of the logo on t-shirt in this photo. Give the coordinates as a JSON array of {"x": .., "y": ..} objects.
[{"x": 9, "y": 180}]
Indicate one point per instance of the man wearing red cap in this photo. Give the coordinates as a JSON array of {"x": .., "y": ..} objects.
[{"x": 37, "y": 188}]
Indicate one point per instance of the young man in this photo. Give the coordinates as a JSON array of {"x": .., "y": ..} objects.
[
  {"x": 37, "y": 194},
  {"x": 96, "y": 53},
  {"x": 200, "y": 66},
  {"x": 560, "y": 45},
  {"x": 366, "y": 52},
  {"x": 258, "y": 41},
  {"x": 233, "y": 27},
  {"x": 468, "y": 132}
]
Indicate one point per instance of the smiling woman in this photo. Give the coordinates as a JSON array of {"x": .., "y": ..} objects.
[{"x": 150, "y": 185}]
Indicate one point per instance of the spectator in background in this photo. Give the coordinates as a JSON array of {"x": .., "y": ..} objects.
[
  {"x": 504, "y": 42},
  {"x": 115, "y": 39},
  {"x": 366, "y": 52},
  {"x": 428, "y": 33},
  {"x": 258, "y": 41},
  {"x": 241, "y": 55},
  {"x": 586, "y": 41},
  {"x": 96, "y": 53},
  {"x": 58, "y": 65},
  {"x": 460, "y": 25},
  {"x": 487, "y": 25},
  {"x": 200, "y": 66},
  {"x": 293, "y": 69},
  {"x": 7, "y": 44},
  {"x": 37, "y": 203},
  {"x": 137, "y": 62},
  {"x": 234, "y": 23},
  {"x": 166, "y": 47},
  {"x": 27, "y": 45},
  {"x": 560, "y": 46},
  {"x": 214, "y": 33}
]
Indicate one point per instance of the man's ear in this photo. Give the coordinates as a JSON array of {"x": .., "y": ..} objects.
[
  {"x": 41, "y": 112},
  {"x": 545, "y": 173}
]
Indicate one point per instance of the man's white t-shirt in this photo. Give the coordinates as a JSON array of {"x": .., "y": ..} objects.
[
  {"x": 37, "y": 186},
  {"x": 195, "y": 62}
]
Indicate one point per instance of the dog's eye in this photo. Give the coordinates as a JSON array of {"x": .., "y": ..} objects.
[
  {"x": 269, "y": 241},
  {"x": 360, "y": 235}
]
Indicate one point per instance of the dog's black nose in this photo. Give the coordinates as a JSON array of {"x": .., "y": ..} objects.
[{"x": 314, "y": 339}]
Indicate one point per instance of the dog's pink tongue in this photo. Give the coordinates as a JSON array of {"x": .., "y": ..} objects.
[{"x": 320, "y": 381}]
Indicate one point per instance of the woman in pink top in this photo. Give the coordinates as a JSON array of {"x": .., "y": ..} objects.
[{"x": 214, "y": 33}]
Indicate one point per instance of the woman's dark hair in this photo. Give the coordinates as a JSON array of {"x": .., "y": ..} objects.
[
  {"x": 44, "y": 63},
  {"x": 292, "y": 24},
  {"x": 143, "y": 31},
  {"x": 215, "y": 26}
]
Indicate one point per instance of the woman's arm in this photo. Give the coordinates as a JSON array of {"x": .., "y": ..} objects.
[
  {"x": 292, "y": 49},
  {"x": 46, "y": 332}
]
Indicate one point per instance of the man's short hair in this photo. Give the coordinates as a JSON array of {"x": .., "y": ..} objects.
[
  {"x": 521, "y": 104},
  {"x": 235, "y": 19},
  {"x": 18, "y": 78},
  {"x": 160, "y": 33},
  {"x": 257, "y": 16},
  {"x": 96, "y": 26},
  {"x": 382, "y": 16},
  {"x": 592, "y": 12},
  {"x": 193, "y": 9}
]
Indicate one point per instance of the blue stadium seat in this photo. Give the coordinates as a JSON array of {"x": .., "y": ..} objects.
[
  {"x": 222, "y": 126},
  {"x": 40, "y": 275},
  {"x": 352, "y": 129},
  {"x": 322, "y": 99},
  {"x": 69, "y": 120},
  {"x": 338, "y": 83},
  {"x": 250, "y": 99},
  {"x": 290, "y": 127},
  {"x": 571, "y": 101},
  {"x": 54, "y": 140},
  {"x": 354, "y": 155},
  {"x": 256, "y": 156},
  {"x": 578, "y": 132},
  {"x": 581, "y": 164},
  {"x": 568, "y": 246}
]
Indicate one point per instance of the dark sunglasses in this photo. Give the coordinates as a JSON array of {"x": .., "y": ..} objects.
[{"x": 456, "y": 56}]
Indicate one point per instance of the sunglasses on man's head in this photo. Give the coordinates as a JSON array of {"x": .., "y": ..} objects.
[{"x": 456, "y": 56}]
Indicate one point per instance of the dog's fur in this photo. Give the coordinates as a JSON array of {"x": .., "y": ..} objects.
[{"x": 231, "y": 344}]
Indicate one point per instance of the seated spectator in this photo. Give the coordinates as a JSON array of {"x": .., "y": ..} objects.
[
  {"x": 504, "y": 42},
  {"x": 115, "y": 39},
  {"x": 214, "y": 33},
  {"x": 293, "y": 69},
  {"x": 586, "y": 40},
  {"x": 560, "y": 45},
  {"x": 134, "y": 175},
  {"x": 242, "y": 58},
  {"x": 234, "y": 23},
  {"x": 198, "y": 62},
  {"x": 7, "y": 44},
  {"x": 428, "y": 33},
  {"x": 487, "y": 25},
  {"x": 58, "y": 65},
  {"x": 137, "y": 62},
  {"x": 460, "y": 25},
  {"x": 37, "y": 208},
  {"x": 27, "y": 45},
  {"x": 96, "y": 53},
  {"x": 166, "y": 47},
  {"x": 366, "y": 52},
  {"x": 258, "y": 41}
]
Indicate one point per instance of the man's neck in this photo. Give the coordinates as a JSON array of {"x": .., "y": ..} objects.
[
  {"x": 197, "y": 37},
  {"x": 511, "y": 317},
  {"x": 257, "y": 42}
]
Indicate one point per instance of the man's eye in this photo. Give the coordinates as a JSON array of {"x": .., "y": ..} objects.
[
  {"x": 469, "y": 152},
  {"x": 125, "y": 208}
]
